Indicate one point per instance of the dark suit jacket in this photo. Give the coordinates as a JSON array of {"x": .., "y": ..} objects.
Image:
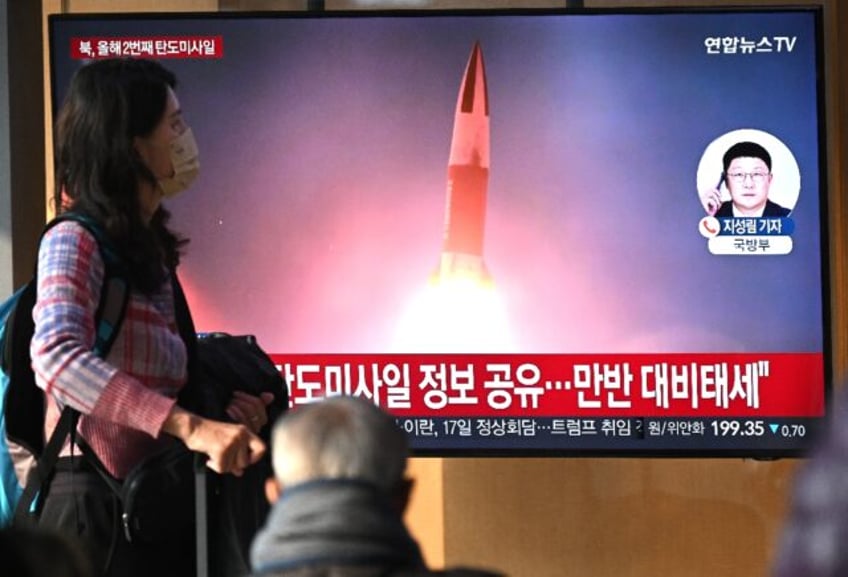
[{"x": 772, "y": 210}]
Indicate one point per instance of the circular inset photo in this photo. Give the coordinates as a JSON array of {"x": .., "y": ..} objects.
[{"x": 748, "y": 173}]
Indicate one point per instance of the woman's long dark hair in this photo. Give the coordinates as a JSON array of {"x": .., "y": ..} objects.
[{"x": 108, "y": 104}]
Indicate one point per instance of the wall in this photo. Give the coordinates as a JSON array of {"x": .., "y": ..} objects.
[
  {"x": 605, "y": 517},
  {"x": 5, "y": 179},
  {"x": 22, "y": 141}
]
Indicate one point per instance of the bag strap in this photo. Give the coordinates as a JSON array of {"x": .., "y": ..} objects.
[
  {"x": 185, "y": 325},
  {"x": 115, "y": 293},
  {"x": 114, "y": 297},
  {"x": 44, "y": 466}
]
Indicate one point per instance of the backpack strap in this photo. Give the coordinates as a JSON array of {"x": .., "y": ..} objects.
[
  {"x": 44, "y": 466},
  {"x": 114, "y": 297}
]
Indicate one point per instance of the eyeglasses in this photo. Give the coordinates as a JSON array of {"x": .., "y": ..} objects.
[{"x": 756, "y": 177}]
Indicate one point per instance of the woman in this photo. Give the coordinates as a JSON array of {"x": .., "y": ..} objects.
[{"x": 122, "y": 145}]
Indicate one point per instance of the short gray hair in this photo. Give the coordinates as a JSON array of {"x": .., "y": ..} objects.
[{"x": 339, "y": 438}]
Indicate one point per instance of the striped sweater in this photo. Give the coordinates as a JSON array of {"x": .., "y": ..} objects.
[{"x": 124, "y": 399}]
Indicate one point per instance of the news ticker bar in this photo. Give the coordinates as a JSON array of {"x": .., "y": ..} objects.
[{"x": 580, "y": 433}]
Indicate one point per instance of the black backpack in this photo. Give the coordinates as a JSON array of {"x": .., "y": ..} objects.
[{"x": 25, "y": 460}]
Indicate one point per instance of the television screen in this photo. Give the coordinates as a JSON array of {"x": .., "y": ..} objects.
[{"x": 520, "y": 232}]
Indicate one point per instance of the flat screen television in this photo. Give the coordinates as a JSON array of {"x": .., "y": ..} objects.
[{"x": 546, "y": 232}]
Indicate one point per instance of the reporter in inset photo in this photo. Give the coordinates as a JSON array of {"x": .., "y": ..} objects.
[
  {"x": 747, "y": 169},
  {"x": 747, "y": 176}
]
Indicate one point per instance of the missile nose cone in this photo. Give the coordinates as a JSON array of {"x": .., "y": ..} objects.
[
  {"x": 473, "y": 95},
  {"x": 470, "y": 142}
]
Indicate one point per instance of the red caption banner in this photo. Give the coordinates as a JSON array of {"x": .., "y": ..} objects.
[
  {"x": 638, "y": 385},
  {"x": 202, "y": 47}
]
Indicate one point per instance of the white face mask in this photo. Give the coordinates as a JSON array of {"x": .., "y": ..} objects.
[{"x": 186, "y": 161}]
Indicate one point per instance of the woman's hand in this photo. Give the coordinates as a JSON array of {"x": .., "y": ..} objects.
[
  {"x": 231, "y": 448},
  {"x": 249, "y": 410}
]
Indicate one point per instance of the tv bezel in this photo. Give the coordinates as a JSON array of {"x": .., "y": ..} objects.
[{"x": 56, "y": 20}]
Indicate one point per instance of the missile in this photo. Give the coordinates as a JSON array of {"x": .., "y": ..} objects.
[{"x": 468, "y": 178}]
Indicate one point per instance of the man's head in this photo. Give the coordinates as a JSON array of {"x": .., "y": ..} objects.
[
  {"x": 747, "y": 169},
  {"x": 339, "y": 438}
]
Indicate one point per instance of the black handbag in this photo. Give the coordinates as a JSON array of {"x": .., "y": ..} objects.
[{"x": 156, "y": 496}]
